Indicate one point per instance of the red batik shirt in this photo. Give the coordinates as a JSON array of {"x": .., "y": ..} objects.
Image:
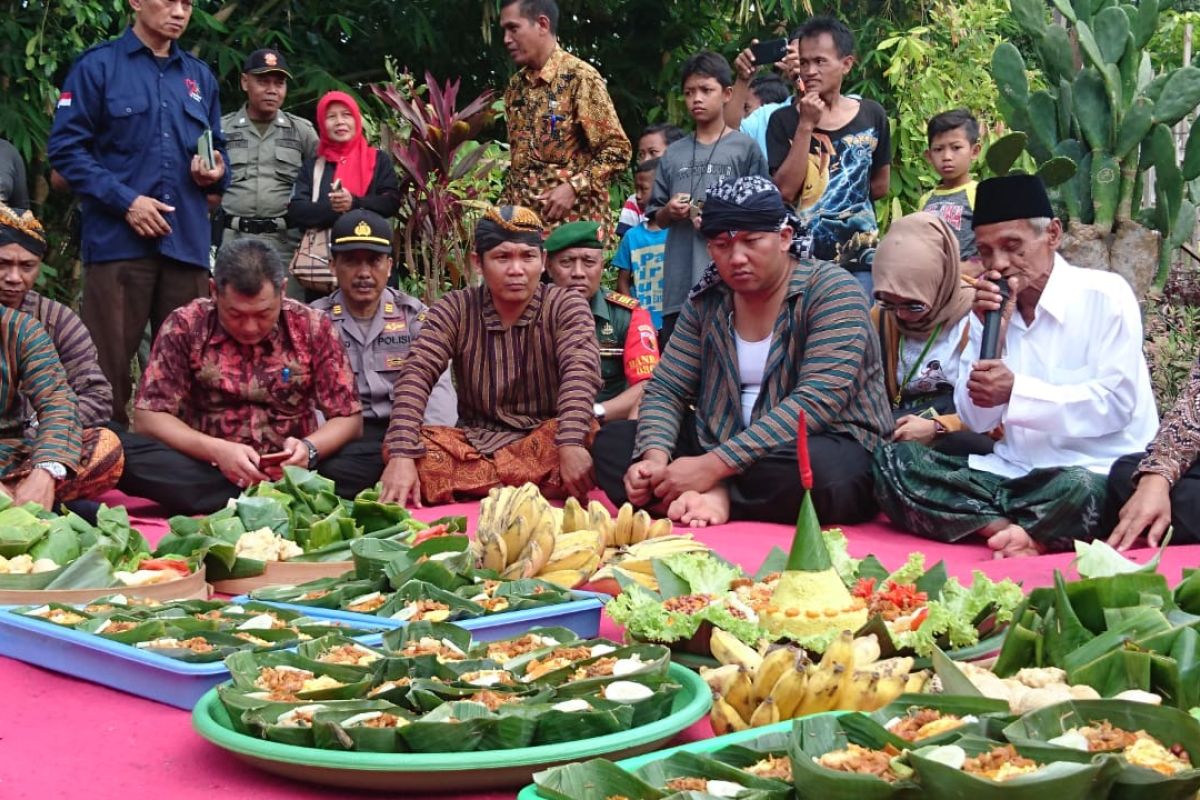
[{"x": 257, "y": 394}]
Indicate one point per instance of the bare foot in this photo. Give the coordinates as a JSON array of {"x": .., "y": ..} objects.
[
  {"x": 1012, "y": 541},
  {"x": 701, "y": 509}
]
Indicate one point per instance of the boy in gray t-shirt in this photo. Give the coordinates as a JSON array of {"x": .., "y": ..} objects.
[{"x": 688, "y": 168}]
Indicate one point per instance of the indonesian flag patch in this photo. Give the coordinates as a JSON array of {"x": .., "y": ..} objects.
[{"x": 64, "y": 100}]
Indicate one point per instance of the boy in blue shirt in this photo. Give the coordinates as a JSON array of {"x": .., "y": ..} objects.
[
  {"x": 953, "y": 146},
  {"x": 639, "y": 257}
]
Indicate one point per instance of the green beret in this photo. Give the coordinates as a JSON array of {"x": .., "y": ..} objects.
[{"x": 574, "y": 234}]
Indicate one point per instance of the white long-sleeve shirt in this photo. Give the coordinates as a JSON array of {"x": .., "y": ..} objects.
[{"x": 1081, "y": 391}]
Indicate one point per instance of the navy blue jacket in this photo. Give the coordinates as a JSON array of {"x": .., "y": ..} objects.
[{"x": 126, "y": 126}]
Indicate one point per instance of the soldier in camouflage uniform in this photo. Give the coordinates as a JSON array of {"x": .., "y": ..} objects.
[
  {"x": 628, "y": 341},
  {"x": 266, "y": 148}
]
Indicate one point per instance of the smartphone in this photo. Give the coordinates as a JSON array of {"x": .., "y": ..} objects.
[
  {"x": 683, "y": 197},
  {"x": 204, "y": 149},
  {"x": 336, "y": 186},
  {"x": 273, "y": 459},
  {"x": 769, "y": 52}
]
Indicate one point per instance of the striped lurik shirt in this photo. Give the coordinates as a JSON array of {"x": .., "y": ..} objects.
[
  {"x": 29, "y": 367},
  {"x": 824, "y": 358},
  {"x": 77, "y": 353},
  {"x": 509, "y": 380}
]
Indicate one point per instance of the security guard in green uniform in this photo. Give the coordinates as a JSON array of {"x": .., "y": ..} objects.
[
  {"x": 628, "y": 342},
  {"x": 266, "y": 147}
]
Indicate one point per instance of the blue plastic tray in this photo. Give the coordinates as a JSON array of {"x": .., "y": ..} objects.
[
  {"x": 121, "y": 666},
  {"x": 581, "y": 615}
]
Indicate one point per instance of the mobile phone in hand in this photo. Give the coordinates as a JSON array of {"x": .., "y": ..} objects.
[
  {"x": 336, "y": 186},
  {"x": 204, "y": 149},
  {"x": 273, "y": 459},
  {"x": 769, "y": 52}
]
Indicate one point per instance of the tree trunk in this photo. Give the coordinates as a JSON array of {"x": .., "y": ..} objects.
[{"x": 1131, "y": 251}]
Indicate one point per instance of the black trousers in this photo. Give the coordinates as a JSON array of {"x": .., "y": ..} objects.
[
  {"x": 184, "y": 485},
  {"x": 359, "y": 464},
  {"x": 1185, "y": 498},
  {"x": 769, "y": 491}
]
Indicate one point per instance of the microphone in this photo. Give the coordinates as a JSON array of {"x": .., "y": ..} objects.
[{"x": 990, "y": 347}]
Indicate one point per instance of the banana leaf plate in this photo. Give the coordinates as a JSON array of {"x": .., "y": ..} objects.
[
  {"x": 278, "y": 573},
  {"x": 193, "y": 587},
  {"x": 703, "y": 747},
  {"x": 581, "y": 615},
  {"x": 446, "y": 772}
]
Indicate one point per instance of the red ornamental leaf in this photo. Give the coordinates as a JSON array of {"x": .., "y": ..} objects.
[{"x": 806, "y": 475}]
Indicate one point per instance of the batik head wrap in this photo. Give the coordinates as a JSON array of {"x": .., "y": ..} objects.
[
  {"x": 501, "y": 224},
  {"x": 22, "y": 228}
]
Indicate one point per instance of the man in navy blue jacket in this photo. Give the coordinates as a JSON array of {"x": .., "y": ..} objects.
[{"x": 125, "y": 137}]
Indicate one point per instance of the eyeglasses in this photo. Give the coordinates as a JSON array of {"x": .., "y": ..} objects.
[{"x": 912, "y": 308}]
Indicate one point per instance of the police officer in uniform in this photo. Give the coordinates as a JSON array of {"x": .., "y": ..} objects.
[
  {"x": 377, "y": 325},
  {"x": 628, "y": 341},
  {"x": 266, "y": 148}
]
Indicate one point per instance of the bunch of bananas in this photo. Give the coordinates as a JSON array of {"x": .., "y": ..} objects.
[
  {"x": 636, "y": 562},
  {"x": 630, "y": 527},
  {"x": 752, "y": 688}
]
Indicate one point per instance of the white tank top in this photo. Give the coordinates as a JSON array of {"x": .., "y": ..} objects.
[{"x": 752, "y": 362}]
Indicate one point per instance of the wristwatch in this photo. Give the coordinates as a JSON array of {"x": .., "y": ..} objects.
[
  {"x": 56, "y": 470},
  {"x": 313, "y": 455},
  {"x": 598, "y": 411}
]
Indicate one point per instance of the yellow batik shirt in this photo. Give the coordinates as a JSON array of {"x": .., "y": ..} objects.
[{"x": 562, "y": 128}]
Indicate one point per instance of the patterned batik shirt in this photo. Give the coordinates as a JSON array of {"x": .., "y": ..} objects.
[
  {"x": 29, "y": 367},
  {"x": 562, "y": 128},
  {"x": 258, "y": 394},
  {"x": 1177, "y": 445},
  {"x": 510, "y": 380}
]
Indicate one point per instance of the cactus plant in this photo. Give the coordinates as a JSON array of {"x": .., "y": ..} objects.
[{"x": 1111, "y": 116}]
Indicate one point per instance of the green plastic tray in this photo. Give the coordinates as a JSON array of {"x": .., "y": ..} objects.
[
  {"x": 445, "y": 772},
  {"x": 531, "y": 792}
]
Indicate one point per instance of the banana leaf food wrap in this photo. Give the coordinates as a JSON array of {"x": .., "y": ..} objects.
[
  {"x": 1115, "y": 633},
  {"x": 912, "y": 610},
  {"x": 434, "y": 581},
  {"x": 297, "y": 518},
  {"x": 41, "y": 550},
  {"x": 194, "y": 631},
  {"x": 1158, "y": 746},
  {"x": 431, "y": 688}
]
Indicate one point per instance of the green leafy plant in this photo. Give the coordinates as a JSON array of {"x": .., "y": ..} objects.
[
  {"x": 1173, "y": 335},
  {"x": 447, "y": 176},
  {"x": 1110, "y": 113}
]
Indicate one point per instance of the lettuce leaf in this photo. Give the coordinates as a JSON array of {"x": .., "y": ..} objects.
[
  {"x": 839, "y": 554},
  {"x": 952, "y": 615},
  {"x": 642, "y": 614},
  {"x": 1098, "y": 559},
  {"x": 703, "y": 572},
  {"x": 912, "y": 569}
]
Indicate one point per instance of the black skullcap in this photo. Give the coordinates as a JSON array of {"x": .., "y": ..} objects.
[{"x": 1011, "y": 197}]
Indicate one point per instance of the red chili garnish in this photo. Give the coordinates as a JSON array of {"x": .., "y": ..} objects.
[
  {"x": 179, "y": 565},
  {"x": 864, "y": 588},
  {"x": 903, "y": 595},
  {"x": 430, "y": 533},
  {"x": 806, "y": 475},
  {"x": 919, "y": 618}
]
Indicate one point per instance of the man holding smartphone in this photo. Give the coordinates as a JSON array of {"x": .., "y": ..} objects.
[
  {"x": 233, "y": 389},
  {"x": 124, "y": 138}
]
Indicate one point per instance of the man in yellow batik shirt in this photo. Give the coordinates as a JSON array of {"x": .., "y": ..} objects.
[{"x": 566, "y": 141}]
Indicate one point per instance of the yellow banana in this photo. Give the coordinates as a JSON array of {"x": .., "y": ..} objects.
[
  {"x": 495, "y": 555},
  {"x": 789, "y": 691},
  {"x": 889, "y": 688},
  {"x": 766, "y": 713},
  {"x": 623, "y": 525},
  {"x": 640, "y": 529},
  {"x": 840, "y": 653},
  {"x": 725, "y": 718},
  {"x": 574, "y": 517},
  {"x": 600, "y": 520},
  {"x": 728, "y": 649},
  {"x": 773, "y": 665},
  {"x": 866, "y": 650},
  {"x": 916, "y": 682},
  {"x": 901, "y": 665},
  {"x": 739, "y": 695},
  {"x": 574, "y": 558},
  {"x": 660, "y": 527},
  {"x": 720, "y": 679},
  {"x": 566, "y": 578},
  {"x": 858, "y": 691},
  {"x": 822, "y": 692}
]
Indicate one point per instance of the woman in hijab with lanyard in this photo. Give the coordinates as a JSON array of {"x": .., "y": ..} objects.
[
  {"x": 922, "y": 314},
  {"x": 364, "y": 175}
]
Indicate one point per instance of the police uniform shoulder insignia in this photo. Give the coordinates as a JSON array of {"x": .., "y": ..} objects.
[
  {"x": 421, "y": 317},
  {"x": 337, "y": 309},
  {"x": 622, "y": 300},
  {"x": 607, "y": 329},
  {"x": 389, "y": 308}
]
